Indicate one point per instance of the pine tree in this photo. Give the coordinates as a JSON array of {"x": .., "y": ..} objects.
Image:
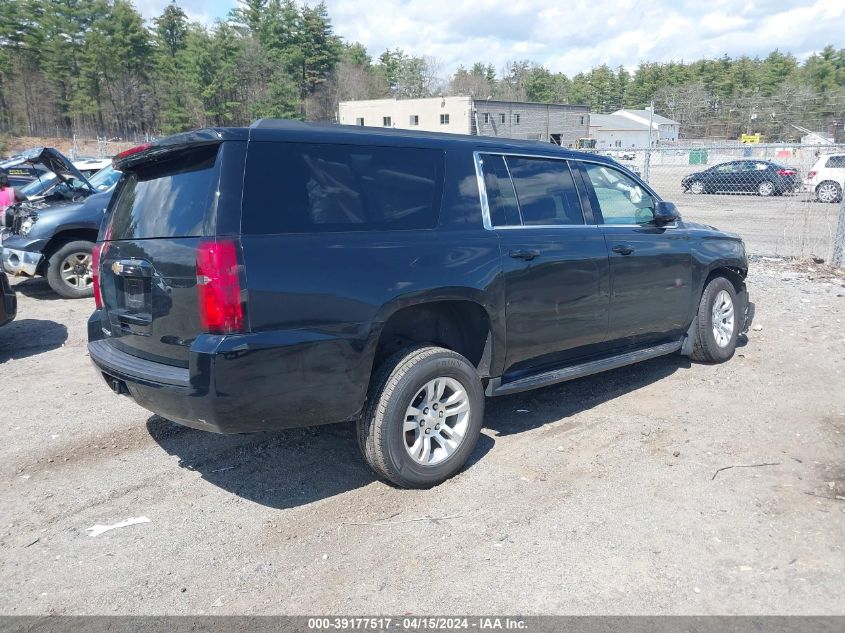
[{"x": 170, "y": 37}]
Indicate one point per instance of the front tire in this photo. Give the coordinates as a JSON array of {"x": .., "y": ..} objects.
[
  {"x": 697, "y": 187},
  {"x": 423, "y": 417},
  {"x": 70, "y": 272},
  {"x": 717, "y": 323}
]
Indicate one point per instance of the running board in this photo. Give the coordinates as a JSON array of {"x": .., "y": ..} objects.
[{"x": 495, "y": 388}]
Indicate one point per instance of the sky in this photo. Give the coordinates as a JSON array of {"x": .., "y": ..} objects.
[{"x": 571, "y": 35}]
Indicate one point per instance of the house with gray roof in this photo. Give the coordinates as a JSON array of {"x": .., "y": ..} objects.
[{"x": 627, "y": 129}]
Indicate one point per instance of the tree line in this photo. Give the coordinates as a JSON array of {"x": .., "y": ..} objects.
[
  {"x": 95, "y": 67},
  {"x": 718, "y": 98}
]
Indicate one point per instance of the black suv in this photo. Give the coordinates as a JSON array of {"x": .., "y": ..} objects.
[{"x": 296, "y": 274}]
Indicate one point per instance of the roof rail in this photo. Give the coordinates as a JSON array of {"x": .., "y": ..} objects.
[{"x": 287, "y": 123}]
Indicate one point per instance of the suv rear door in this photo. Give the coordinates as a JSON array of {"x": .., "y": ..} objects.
[
  {"x": 162, "y": 209},
  {"x": 554, "y": 262},
  {"x": 650, "y": 266}
]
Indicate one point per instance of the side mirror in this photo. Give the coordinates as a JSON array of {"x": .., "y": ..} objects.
[{"x": 666, "y": 213}]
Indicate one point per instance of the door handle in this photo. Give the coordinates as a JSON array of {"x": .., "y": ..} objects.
[
  {"x": 525, "y": 254},
  {"x": 623, "y": 249}
]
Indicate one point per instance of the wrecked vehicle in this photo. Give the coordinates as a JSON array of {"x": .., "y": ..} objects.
[
  {"x": 48, "y": 183},
  {"x": 54, "y": 236}
]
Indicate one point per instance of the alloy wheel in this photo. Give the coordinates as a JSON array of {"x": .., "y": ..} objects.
[
  {"x": 827, "y": 192},
  {"x": 436, "y": 421},
  {"x": 77, "y": 271},
  {"x": 766, "y": 188},
  {"x": 697, "y": 187},
  {"x": 723, "y": 318}
]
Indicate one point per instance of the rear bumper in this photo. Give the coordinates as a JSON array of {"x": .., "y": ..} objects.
[
  {"x": 162, "y": 389},
  {"x": 241, "y": 383}
]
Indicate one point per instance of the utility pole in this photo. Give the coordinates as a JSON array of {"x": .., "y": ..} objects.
[
  {"x": 838, "y": 260},
  {"x": 647, "y": 166}
]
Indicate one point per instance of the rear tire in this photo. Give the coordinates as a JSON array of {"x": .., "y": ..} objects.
[
  {"x": 406, "y": 433},
  {"x": 69, "y": 270},
  {"x": 829, "y": 191},
  {"x": 717, "y": 324}
]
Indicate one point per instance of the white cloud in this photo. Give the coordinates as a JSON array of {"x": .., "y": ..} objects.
[
  {"x": 579, "y": 34},
  {"x": 571, "y": 36}
]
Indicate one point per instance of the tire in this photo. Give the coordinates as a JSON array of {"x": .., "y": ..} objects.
[
  {"x": 697, "y": 187},
  {"x": 829, "y": 191},
  {"x": 69, "y": 270},
  {"x": 766, "y": 188},
  {"x": 707, "y": 347},
  {"x": 388, "y": 432}
]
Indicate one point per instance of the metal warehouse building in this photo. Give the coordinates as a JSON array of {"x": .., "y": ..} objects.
[{"x": 558, "y": 123}]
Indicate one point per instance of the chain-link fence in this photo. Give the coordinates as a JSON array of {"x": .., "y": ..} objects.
[{"x": 784, "y": 200}]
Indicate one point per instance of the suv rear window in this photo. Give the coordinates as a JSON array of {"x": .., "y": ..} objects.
[
  {"x": 171, "y": 197},
  {"x": 836, "y": 162},
  {"x": 304, "y": 187}
]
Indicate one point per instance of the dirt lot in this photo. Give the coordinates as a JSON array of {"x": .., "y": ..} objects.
[
  {"x": 85, "y": 146},
  {"x": 603, "y": 495}
]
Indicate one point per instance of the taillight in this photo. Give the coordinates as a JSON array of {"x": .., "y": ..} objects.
[
  {"x": 219, "y": 287},
  {"x": 96, "y": 257},
  {"x": 812, "y": 174},
  {"x": 786, "y": 172}
]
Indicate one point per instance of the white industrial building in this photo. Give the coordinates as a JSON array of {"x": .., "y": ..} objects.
[
  {"x": 630, "y": 129},
  {"x": 559, "y": 123}
]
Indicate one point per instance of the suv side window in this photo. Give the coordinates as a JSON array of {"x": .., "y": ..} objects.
[
  {"x": 305, "y": 187},
  {"x": 836, "y": 162},
  {"x": 620, "y": 198},
  {"x": 501, "y": 197},
  {"x": 545, "y": 191}
]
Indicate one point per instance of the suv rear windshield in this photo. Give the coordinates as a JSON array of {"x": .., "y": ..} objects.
[
  {"x": 171, "y": 197},
  {"x": 303, "y": 187}
]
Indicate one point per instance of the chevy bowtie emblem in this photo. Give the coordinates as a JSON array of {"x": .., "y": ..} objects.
[{"x": 117, "y": 268}]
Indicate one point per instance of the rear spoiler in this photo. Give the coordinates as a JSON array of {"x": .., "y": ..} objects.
[{"x": 150, "y": 152}]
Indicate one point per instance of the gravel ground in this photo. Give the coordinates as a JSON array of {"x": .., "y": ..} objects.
[{"x": 602, "y": 495}]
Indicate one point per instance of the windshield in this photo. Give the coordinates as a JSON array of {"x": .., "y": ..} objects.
[
  {"x": 104, "y": 179},
  {"x": 39, "y": 185}
]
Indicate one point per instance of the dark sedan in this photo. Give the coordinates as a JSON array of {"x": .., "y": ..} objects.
[{"x": 744, "y": 176}]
